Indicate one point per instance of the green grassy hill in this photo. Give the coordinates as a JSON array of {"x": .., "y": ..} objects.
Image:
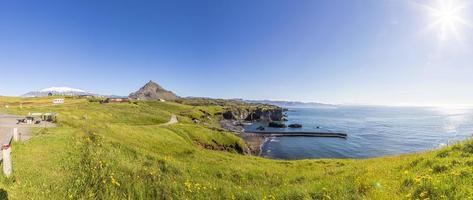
[{"x": 120, "y": 151}]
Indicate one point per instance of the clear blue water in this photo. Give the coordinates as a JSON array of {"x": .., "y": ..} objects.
[{"x": 372, "y": 131}]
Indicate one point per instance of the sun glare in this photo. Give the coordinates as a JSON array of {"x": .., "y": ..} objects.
[{"x": 447, "y": 19}]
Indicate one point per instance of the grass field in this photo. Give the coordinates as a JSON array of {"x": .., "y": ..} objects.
[{"x": 120, "y": 151}]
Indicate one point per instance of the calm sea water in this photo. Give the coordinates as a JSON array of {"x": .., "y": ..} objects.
[{"x": 372, "y": 131}]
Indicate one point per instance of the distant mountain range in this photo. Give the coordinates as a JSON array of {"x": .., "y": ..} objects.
[
  {"x": 150, "y": 91},
  {"x": 293, "y": 104},
  {"x": 153, "y": 91},
  {"x": 63, "y": 91}
]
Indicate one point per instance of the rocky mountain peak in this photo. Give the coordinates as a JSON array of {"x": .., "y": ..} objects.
[
  {"x": 153, "y": 85},
  {"x": 153, "y": 91}
]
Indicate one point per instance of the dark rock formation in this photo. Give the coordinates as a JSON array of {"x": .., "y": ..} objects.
[
  {"x": 228, "y": 115},
  {"x": 276, "y": 125},
  {"x": 274, "y": 114},
  {"x": 153, "y": 91},
  {"x": 295, "y": 126},
  {"x": 254, "y": 114}
]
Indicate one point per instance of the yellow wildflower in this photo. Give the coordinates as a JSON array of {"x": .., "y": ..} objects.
[
  {"x": 114, "y": 181},
  {"x": 423, "y": 194}
]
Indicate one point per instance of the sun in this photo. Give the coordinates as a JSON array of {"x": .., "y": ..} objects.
[{"x": 446, "y": 18}]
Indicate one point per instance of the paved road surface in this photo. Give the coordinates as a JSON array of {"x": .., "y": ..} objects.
[{"x": 8, "y": 122}]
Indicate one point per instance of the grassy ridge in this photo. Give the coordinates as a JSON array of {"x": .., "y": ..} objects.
[{"x": 120, "y": 151}]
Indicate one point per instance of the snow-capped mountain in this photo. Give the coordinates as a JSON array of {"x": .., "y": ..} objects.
[{"x": 64, "y": 91}]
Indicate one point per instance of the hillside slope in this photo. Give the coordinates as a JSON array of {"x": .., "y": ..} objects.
[{"x": 121, "y": 151}]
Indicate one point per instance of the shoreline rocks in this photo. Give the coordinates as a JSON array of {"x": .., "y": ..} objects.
[
  {"x": 276, "y": 125},
  {"x": 295, "y": 126},
  {"x": 232, "y": 126},
  {"x": 254, "y": 143}
]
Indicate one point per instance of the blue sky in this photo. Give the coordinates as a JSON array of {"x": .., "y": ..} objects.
[{"x": 342, "y": 51}]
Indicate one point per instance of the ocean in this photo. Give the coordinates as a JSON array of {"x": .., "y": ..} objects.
[{"x": 372, "y": 131}]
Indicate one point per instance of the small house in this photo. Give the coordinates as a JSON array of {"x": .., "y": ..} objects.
[
  {"x": 58, "y": 101},
  {"x": 115, "y": 100}
]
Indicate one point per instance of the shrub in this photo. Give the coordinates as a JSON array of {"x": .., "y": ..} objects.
[{"x": 439, "y": 168}]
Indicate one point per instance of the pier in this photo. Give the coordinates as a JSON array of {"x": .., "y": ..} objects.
[{"x": 300, "y": 134}]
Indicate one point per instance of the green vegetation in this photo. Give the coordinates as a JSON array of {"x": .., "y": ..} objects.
[{"x": 120, "y": 151}]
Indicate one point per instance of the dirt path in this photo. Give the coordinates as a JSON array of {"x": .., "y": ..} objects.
[{"x": 173, "y": 120}]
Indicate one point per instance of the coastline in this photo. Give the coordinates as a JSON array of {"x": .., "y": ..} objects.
[{"x": 254, "y": 141}]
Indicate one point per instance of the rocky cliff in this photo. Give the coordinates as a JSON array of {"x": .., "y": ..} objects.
[
  {"x": 254, "y": 113},
  {"x": 238, "y": 110},
  {"x": 153, "y": 91}
]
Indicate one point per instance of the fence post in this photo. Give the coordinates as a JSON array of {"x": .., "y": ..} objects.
[
  {"x": 7, "y": 165},
  {"x": 16, "y": 135}
]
